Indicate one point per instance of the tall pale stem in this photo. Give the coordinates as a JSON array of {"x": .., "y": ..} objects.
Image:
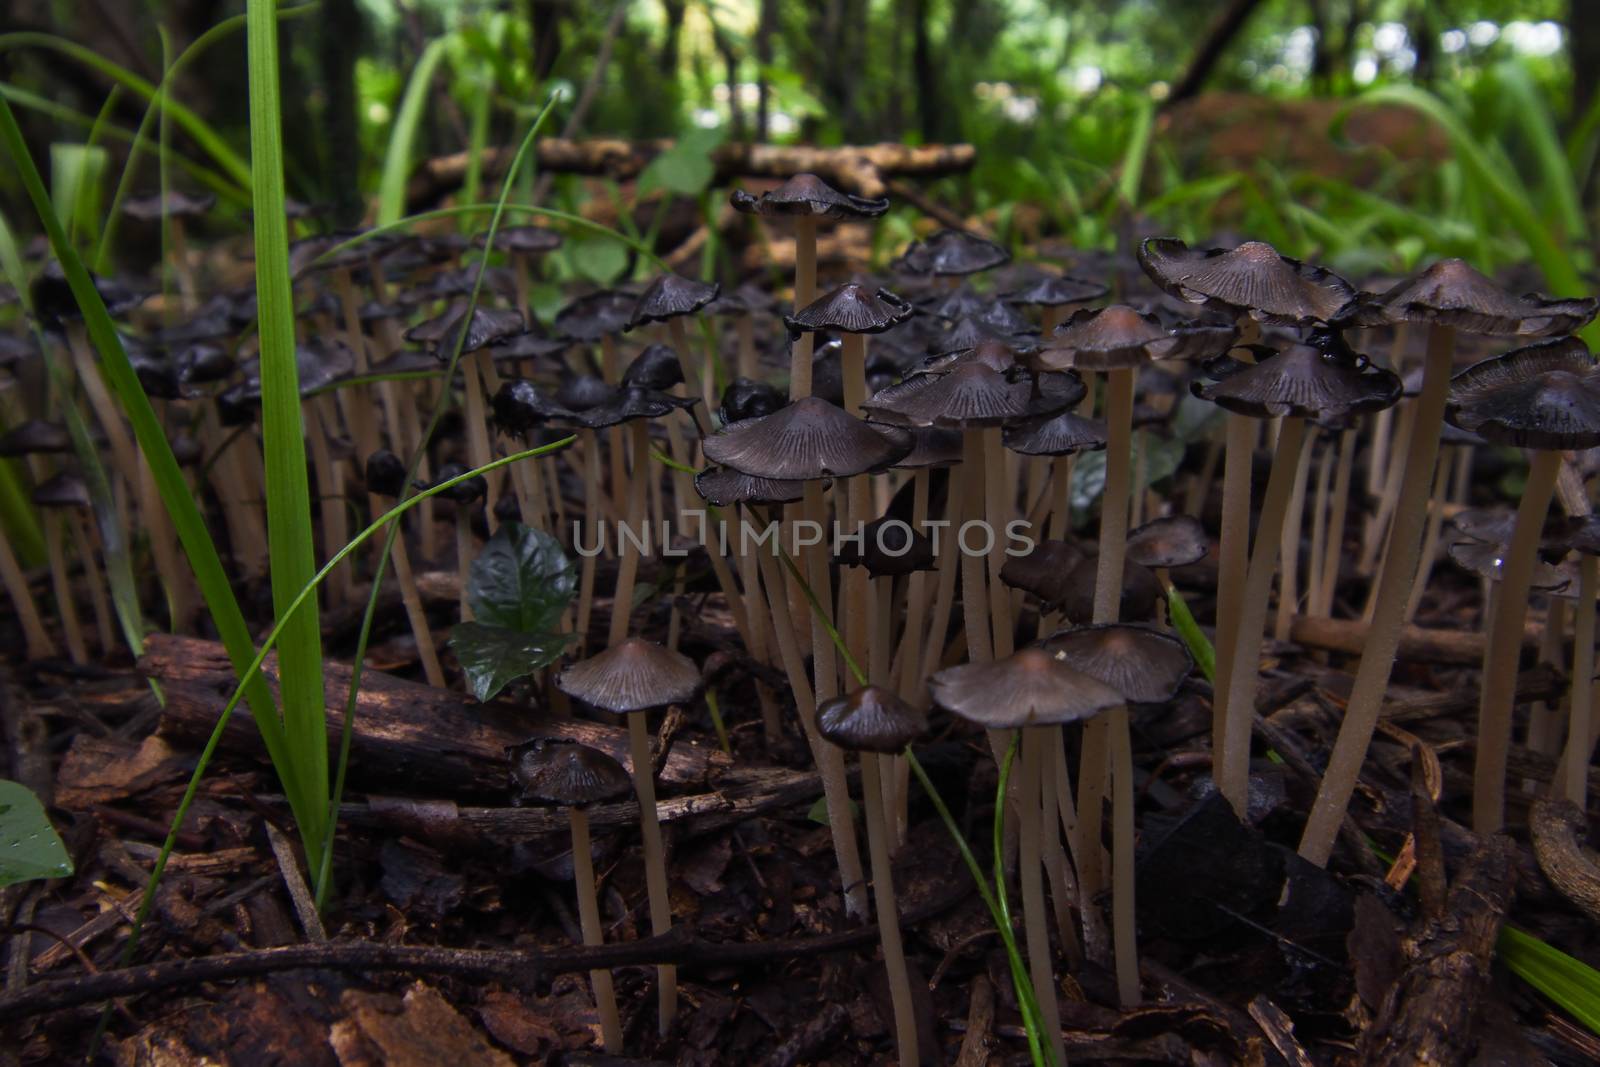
[{"x": 605, "y": 997}]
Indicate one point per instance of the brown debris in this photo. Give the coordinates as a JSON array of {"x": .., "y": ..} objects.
[{"x": 420, "y": 1029}]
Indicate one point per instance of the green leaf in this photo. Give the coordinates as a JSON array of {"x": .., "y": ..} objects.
[
  {"x": 1571, "y": 983},
  {"x": 30, "y": 848},
  {"x": 521, "y": 581},
  {"x": 402, "y": 135},
  {"x": 1200, "y": 647},
  {"x": 685, "y": 168},
  {"x": 819, "y": 811},
  {"x": 1162, "y": 457},
  {"x": 495, "y": 656},
  {"x": 598, "y": 259}
]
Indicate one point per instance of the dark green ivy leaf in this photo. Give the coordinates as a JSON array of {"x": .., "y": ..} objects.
[
  {"x": 30, "y": 848},
  {"x": 494, "y": 656},
  {"x": 521, "y": 581}
]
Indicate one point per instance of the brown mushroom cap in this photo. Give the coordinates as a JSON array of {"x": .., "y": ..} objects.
[
  {"x": 1043, "y": 570},
  {"x": 1452, "y": 293},
  {"x": 1252, "y": 278},
  {"x": 870, "y": 719},
  {"x": 1306, "y": 381},
  {"x": 973, "y": 395},
  {"x": 1057, "y": 435},
  {"x": 548, "y": 771},
  {"x": 1031, "y": 687},
  {"x": 1118, "y": 336},
  {"x": 807, "y": 440},
  {"x": 591, "y": 317},
  {"x": 1170, "y": 541},
  {"x": 670, "y": 296},
  {"x": 1056, "y": 290},
  {"x": 851, "y": 308},
  {"x": 1486, "y": 559},
  {"x": 632, "y": 676},
  {"x": 1140, "y": 591},
  {"x": 1144, "y": 665},
  {"x": 1546, "y": 395},
  {"x": 949, "y": 252},
  {"x": 724, "y": 487},
  {"x": 62, "y": 490},
  {"x": 808, "y": 195}
]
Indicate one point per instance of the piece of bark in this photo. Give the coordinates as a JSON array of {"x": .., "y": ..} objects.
[
  {"x": 1557, "y": 828},
  {"x": 429, "y": 740},
  {"x": 1427, "y": 1018},
  {"x": 99, "y": 770},
  {"x": 1417, "y": 644},
  {"x": 418, "y": 1030}
]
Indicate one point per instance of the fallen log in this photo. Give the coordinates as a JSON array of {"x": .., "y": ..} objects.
[
  {"x": 1417, "y": 644},
  {"x": 429, "y": 740},
  {"x": 860, "y": 169}
]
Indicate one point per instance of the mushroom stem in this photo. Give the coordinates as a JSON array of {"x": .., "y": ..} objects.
[
  {"x": 427, "y": 652},
  {"x": 974, "y": 568},
  {"x": 1063, "y": 889},
  {"x": 894, "y": 957},
  {"x": 1381, "y": 521},
  {"x": 61, "y": 583},
  {"x": 1233, "y": 771},
  {"x": 805, "y": 291},
  {"x": 998, "y": 507},
  {"x": 1232, "y": 559},
  {"x": 1430, "y": 538},
  {"x": 1341, "y": 503},
  {"x": 479, "y": 453},
  {"x": 761, "y": 641},
  {"x": 1289, "y": 538},
  {"x": 356, "y": 404},
  {"x": 747, "y": 346},
  {"x": 181, "y": 270},
  {"x": 1035, "y": 923},
  {"x": 1572, "y": 775},
  {"x": 611, "y": 372},
  {"x": 701, "y": 385},
  {"x": 1505, "y": 645},
  {"x": 605, "y": 997},
  {"x": 1383, "y": 638},
  {"x": 591, "y": 525},
  {"x": 628, "y": 557},
  {"x": 1319, "y": 530},
  {"x": 655, "y": 862},
  {"x": 855, "y": 503}
]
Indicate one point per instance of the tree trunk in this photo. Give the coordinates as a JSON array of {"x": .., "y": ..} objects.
[
  {"x": 337, "y": 47},
  {"x": 1583, "y": 45},
  {"x": 926, "y": 77},
  {"x": 1229, "y": 22}
]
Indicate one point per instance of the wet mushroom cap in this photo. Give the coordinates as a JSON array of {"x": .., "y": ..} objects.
[
  {"x": 580, "y": 392},
  {"x": 974, "y": 395},
  {"x": 1546, "y": 395},
  {"x": 591, "y": 317},
  {"x": 172, "y": 204},
  {"x": 1031, "y": 687},
  {"x": 745, "y": 398},
  {"x": 1486, "y": 559},
  {"x": 723, "y": 487},
  {"x": 1140, "y": 591},
  {"x": 467, "y": 492},
  {"x": 932, "y": 446},
  {"x": 807, "y": 440},
  {"x": 1056, "y": 290},
  {"x": 657, "y": 367},
  {"x": 525, "y": 240},
  {"x": 35, "y": 437},
  {"x": 1453, "y": 293},
  {"x": 566, "y": 773},
  {"x": 1144, "y": 665},
  {"x": 1043, "y": 570},
  {"x": 62, "y": 490},
  {"x": 949, "y": 252},
  {"x": 519, "y": 407},
  {"x": 1170, "y": 541},
  {"x": 630, "y": 402},
  {"x": 870, "y": 719},
  {"x": 808, "y": 195},
  {"x": 670, "y": 296},
  {"x": 851, "y": 308},
  {"x": 487, "y": 326},
  {"x": 1058, "y": 435},
  {"x": 1304, "y": 381},
  {"x": 1252, "y": 278},
  {"x": 889, "y": 548},
  {"x": 385, "y": 474},
  {"x": 634, "y": 675},
  {"x": 971, "y": 332},
  {"x": 1577, "y": 533}
]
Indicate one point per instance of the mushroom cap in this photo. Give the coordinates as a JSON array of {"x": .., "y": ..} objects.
[
  {"x": 974, "y": 395},
  {"x": 633, "y": 675},
  {"x": 890, "y": 548},
  {"x": 1056, "y": 290},
  {"x": 591, "y": 317},
  {"x": 1043, "y": 570},
  {"x": 669, "y": 296},
  {"x": 385, "y": 474},
  {"x": 172, "y": 204},
  {"x": 808, "y": 195},
  {"x": 524, "y": 240},
  {"x": 949, "y": 252},
  {"x": 306, "y": 254},
  {"x": 62, "y": 490},
  {"x": 519, "y": 406},
  {"x": 657, "y": 367},
  {"x": 1056, "y": 435},
  {"x": 1302, "y": 380},
  {"x": 1486, "y": 559},
  {"x": 1140, "y": 591},
  {"x": 407, "y": 361},
  {"x": 1576, "y": 533},
  {"x": 1144, "y": 665},
  {"x": 932, "y": 446},
  {"x": 746, "y": 398},
  {"x": 870, "y": 719},
  {"x": 565, "y": 772},
  {"x": 954, "y": 304},
  {"x": 1031, "y": 687},
  {"x": 724, "y": 487},
  {"x": 35, "y": 437},
  {"x": 580, "y": 392},
  {"x": 1453, "y": 293},
  {"x": 993, "y": 353},
  {"x": 1120, "y": 336},
  {"x": 467, "y": 492},
  {"x": 202, "y": 363},
  {"x": 1170, "y": 541},
  {"x": 488, "y": 326},
  {"x": 747, "y": 299},
  {"x": 972, "y": 332},
  {"x": 851, "y": 308},
  {"x": 54, "y": 303},
  {"x": 534, "y": 344},
  {"x": 628, "y": 403},
  {"x": 807, "y": 440},
  {"x": 1546, "y": 395},
  {"x": 1251, "y": 278}
]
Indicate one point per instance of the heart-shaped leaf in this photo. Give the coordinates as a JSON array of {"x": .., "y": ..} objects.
[
  {"x": 30, "y": 848},
  {"x": 522, "y": 580},
  {"x": 686, "y": 168},
  {"x": 493, "y": 656}
]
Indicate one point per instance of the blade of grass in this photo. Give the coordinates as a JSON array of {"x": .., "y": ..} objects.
[
  {"x": 1200, "y": 647},
  {"x": 288, "y": 495},
  {"x": 1573, "y": 985},
  {"x": 397, "y": 160}
]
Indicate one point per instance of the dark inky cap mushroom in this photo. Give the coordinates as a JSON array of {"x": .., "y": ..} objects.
[
  {"x": 1119, "y": 336},
  {"x": 745, "y": 398},
  {"x": 932, "y": 446},
  {"x": 723, "y": 487},
  {"x": 1031, "y": 687},
  {"x": 630, "y": 402},
  {"x": 952, "y": 305},
  {"x": 407, "y": 361},
  {"x": 1170, "y": 541},
  {"x": 972, "y": 332},
  {"x": 487, "y": 326},
  {"x": 467, "y": 492},
  {"x": 62, "y": 490},
  {"x": 971, "y": 396},
  {"x": 1044, "y": 570},
  {"x": 202, "y": 363},
  {"x": 634, "y": 675},
  {"x": 207, "y": 325},
  {"x": 1576, "y": 533},
  {"x": 871, "y": 719},
  {"x": 386, "y": 474},
  {"x": 889, "y": 548},
  {"x": 35, "y": 437},
  {"x": 1486, "y": 559},
  {"x": 1056, "y": 435},
  {"x": 1144, "y": 665},
  {"x": 591, "y": 317},
  {"x": 1303, "y": 380},
  {"x": 808, "y": 195},
  {"x": 807, "y": 440},
  {"x": 54, "y": 303},
  {"x": 1056, "y": 290},
  {"x": 851, "y": 308},
  {"x": 520, "y": 406},
  {"x": 534, "y": 344},
  {"x": 747, "y": 299},
  {"x": 524, "y": 240},
  {"x": 657, "y": 367},
  {"x": 175, "y": 203},
  {"x": 305, "y": 255},
  {"x": 1140, "y": 591},
  {"x": 950, "y": 252},
  {"x": 580, "y": 392},
  {"x": 1546, "y": 395},
  {"x": 669, "y": 296},
  {"x": 1452, "y": 293},
  {"x": 548, "y": 771},
  {"x": 1251, "y": 278}
]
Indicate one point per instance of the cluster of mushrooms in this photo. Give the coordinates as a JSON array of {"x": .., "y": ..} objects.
[{"x": 952, "y": 398}]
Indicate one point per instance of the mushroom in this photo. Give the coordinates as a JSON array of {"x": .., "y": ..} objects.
[
  {"x": 385, "y": 475},
  {"x": 522, "y": 243},
  {"x": 1448, "y": 296},
  {"x": 950, "y": 253},
  {"x": 463, "y": 495},
  {"x": 670, "y": 299},
  {"x": 66, "y": 493},
  {"x": 630, "y": 677},
  {"x": 1054, "y": 293},
  {"x": 173, "y": 206},
  {"x": 875, "y": 723},
  {"x": 571, "y": 775}
]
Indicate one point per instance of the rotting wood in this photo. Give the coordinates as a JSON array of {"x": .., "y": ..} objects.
[
  {"x": 861, "y": 169},
  {"x": 1557, "y": 828},
  {"x": 1428, "y": 1015},
  {"x": 405, "y": 732},
  {"x": 1417, "y": 644}
]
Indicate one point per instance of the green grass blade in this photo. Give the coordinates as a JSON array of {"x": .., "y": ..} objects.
[
  {"x": 1200, "y": 647},
  {"x": 1573, "y": 985},
  {"x": 288, "y": 494},
  {"x": 1131, "y": 173},
  {"x": 1535, "y": 122},
  {"x": 397, "y": 160}
]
